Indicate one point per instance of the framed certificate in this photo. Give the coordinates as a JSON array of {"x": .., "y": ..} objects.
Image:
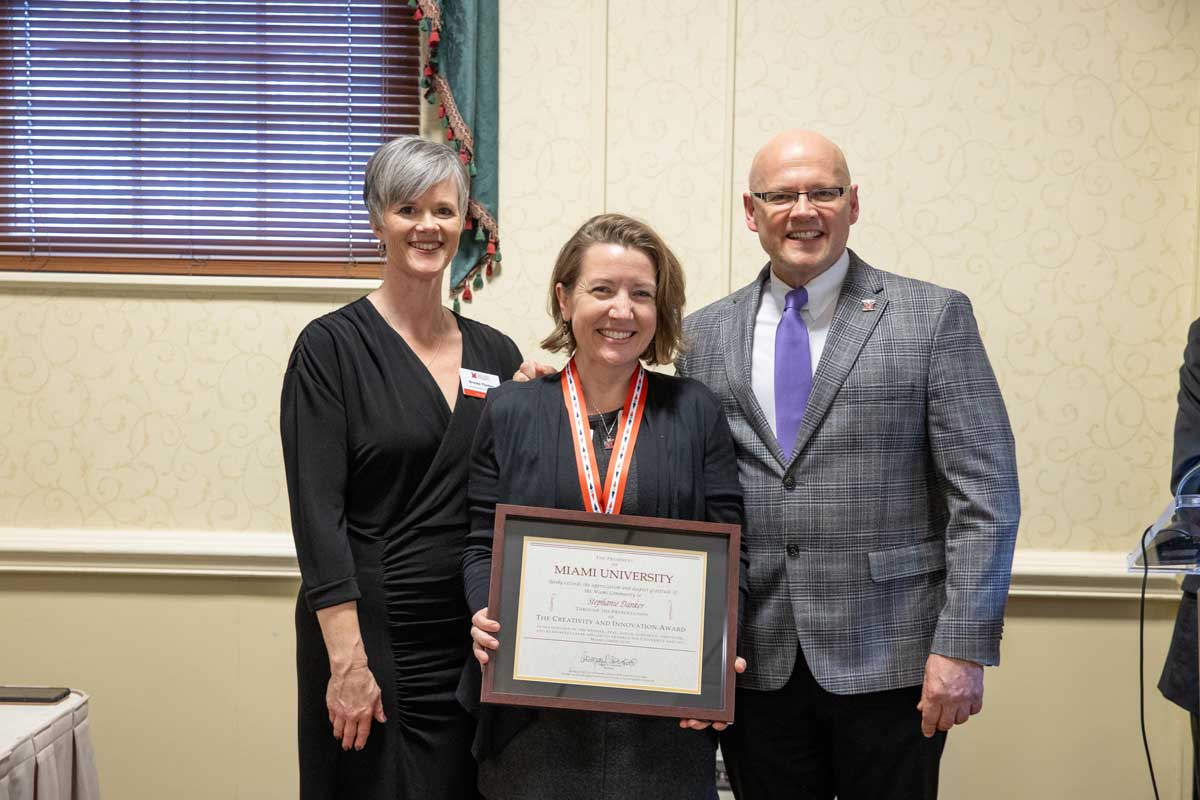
[{"x": 608, "y": 612}]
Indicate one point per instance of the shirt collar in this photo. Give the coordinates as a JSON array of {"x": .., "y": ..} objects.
[{"x": 823, "y": 290}]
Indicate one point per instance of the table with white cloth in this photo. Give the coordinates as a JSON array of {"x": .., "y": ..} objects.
[{"x": 46, "y": 751}]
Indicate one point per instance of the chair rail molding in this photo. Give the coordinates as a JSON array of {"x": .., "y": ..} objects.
[{"x": 271, "y": 554}]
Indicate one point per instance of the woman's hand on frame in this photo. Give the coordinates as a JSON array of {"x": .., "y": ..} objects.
[
  {"x": 739, "y": 666},
  {"x": 482, "y": 639}
]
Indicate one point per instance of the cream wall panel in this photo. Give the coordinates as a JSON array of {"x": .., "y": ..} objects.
[
  {"x": 1060, "y": 714},
  {"x": 668, "y": 147},
  {"x": 552, "y": 79},
  {"x": 192, "y": 680},
  {"x": 141, "y": 409},
  {"x": 193, "y": 690},
  {"x": 1043, "y": 160}
]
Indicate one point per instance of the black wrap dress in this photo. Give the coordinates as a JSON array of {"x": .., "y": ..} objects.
[{"x": 376, "y": 470}]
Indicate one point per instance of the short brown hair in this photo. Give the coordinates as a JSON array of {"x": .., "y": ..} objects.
[{"x": 632, "y": 234}]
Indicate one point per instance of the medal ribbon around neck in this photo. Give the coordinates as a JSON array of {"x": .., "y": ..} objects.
[{"x": 627, "y": 433}]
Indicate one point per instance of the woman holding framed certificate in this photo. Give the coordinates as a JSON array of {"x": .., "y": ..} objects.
[{"x": 605, "y": 436}]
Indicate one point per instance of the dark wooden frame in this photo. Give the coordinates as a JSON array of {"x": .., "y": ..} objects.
[{"x": 666, "y": 702}]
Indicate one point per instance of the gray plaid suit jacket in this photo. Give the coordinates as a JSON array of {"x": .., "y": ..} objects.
[{"x": 890, "y": 533}]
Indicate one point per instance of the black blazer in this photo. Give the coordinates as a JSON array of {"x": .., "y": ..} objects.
[
  {"x": 1178, "y": 682},
  {"x": 523, "y": 454}
]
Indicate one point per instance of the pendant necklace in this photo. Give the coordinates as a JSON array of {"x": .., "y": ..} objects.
[{"x": 610, "y": 430}]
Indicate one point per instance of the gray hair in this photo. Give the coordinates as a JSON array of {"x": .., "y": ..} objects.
[{"x": 404, "y": 169}]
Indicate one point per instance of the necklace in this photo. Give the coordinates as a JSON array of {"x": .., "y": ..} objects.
[
  {"x": 383, "y": 308},
  {"x": 441, "y": 337},
  {"x": 610, "y": 430}
]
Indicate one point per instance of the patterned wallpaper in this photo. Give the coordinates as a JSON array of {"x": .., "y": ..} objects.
[
  {"x": 668, "y": 131},
  {"x": 134, "y": 410},
  {"x": 1043, "y": 159}
]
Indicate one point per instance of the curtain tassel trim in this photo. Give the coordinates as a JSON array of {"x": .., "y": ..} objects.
[{"x": 428, "y": 15}]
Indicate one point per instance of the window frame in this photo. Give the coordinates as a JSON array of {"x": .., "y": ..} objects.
[{"x": 400, "y": 80}]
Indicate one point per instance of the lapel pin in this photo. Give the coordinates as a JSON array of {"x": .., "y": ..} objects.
[{"x": 868, "y": 305}]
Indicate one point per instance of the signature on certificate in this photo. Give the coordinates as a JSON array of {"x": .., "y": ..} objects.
[{"x": 608, "y": 661}]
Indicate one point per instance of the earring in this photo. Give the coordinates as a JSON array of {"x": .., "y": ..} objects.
[{"x": 382, "y": 248}]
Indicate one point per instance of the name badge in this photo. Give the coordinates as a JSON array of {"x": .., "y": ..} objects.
[{"x": 476, "y": 383}]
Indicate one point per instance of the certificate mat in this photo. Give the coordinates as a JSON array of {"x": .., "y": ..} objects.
[
  {"x": 613, "y": 613},
  {"x": 589, "y": 610}
]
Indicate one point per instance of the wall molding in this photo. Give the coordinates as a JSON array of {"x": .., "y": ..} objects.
[
  {"x": 237, "y": 554},
  {"x": 1084, "y": 574},
  {"x": 267, "y": 554}
]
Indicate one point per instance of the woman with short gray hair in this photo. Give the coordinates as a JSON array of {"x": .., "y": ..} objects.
[{"x": 380, "y": 403}]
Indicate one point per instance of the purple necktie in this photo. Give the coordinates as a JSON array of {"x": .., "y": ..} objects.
[{"x": 793, "y": 370}]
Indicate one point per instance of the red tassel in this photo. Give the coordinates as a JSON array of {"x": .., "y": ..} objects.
[
  {"x": 466, "y": 295},
  {"x": 469, "y": 223},
  {"x": 491, "y": 250},
  {"x": 464, "y": 156},
  {"x": 441, "y": 108},
  {"x": 428, "y": 71},
  {"x": 433, "y": 37},
  {"x": 449, "y": 134},
  {"x": 418, "y": 14},
  {"x": 489, "y": 269}
]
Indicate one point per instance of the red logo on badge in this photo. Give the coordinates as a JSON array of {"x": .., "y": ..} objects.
[{"x": 868, "y": 305}]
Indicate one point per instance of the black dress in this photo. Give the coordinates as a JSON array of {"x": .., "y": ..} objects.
[{"x": 376, "y": 471}]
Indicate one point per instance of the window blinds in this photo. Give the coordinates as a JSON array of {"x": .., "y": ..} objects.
[{"x": 192, "y": 136}]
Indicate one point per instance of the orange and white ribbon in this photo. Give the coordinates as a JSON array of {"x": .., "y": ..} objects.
[{"x": 627, "y": 433}]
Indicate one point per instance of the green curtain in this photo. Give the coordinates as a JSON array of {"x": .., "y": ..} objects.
[{"x": 466, "y": 58}]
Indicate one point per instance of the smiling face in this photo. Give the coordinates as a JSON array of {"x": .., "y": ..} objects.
[
  {"x": 804, "y": 240},
  {"x": 610, "y": 307},
  {"x": 421, "y": 235}
]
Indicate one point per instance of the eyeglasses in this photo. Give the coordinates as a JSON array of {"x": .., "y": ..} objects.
[{"x": 778, "y": 201}]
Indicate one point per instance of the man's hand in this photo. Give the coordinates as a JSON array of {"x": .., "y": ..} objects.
[
  {"x": 952, "y": 692},
  {"x": 531, "y": 370}
]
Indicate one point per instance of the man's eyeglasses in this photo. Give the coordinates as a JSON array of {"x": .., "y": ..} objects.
[{"x": 818, "y": 197}]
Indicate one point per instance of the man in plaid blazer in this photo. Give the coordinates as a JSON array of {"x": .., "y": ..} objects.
[{"x": 880, "y": 536}]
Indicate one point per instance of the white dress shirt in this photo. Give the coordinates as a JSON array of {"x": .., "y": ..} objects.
[{"x": 823, "y": 292}]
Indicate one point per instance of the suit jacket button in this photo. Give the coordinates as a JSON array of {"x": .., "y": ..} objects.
[
  {"x": 793, "y": 550},
  {"x": 789, "y": 483}
]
